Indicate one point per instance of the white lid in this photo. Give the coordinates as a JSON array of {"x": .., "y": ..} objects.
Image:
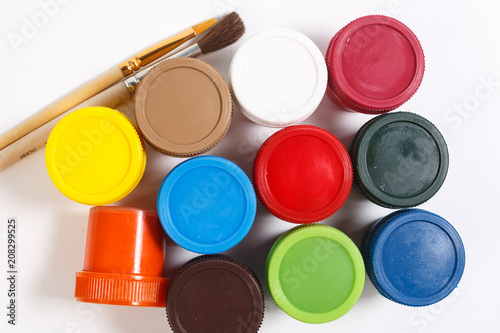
[{"x": 278, "y": 77}]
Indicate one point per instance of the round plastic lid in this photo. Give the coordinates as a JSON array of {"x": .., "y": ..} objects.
[
  {"x": 215, "y": 294},
  {"x": 375, "y": 64},
  {"x": 95, "y": 156},
  {"x": 315, "y": 273},
  {"x": 207, "y": 204},
  {"x": 414, "y": 257},
  {"x": 400, "y": 160},
  {"x": 124, "y": 258},
  {"x": 302, "y": 174},
  {"x": 279, "y": 77},
  {"x": 183, "y": 107}
]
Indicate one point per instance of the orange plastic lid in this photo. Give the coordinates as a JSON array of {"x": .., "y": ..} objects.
[{"x": 124, "y": 258}]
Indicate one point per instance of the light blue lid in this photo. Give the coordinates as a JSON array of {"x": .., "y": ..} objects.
[{"x": 207, "y": 204}]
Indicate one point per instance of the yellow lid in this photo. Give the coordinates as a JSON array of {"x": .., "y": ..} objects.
[{"x": 95, "y": 156}]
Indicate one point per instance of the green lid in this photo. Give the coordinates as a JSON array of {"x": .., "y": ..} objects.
[
  {"x": 400, "y": 160},
  {"x": 315, "y": 273}
]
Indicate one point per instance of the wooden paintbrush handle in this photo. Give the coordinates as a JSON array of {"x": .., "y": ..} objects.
[
  {"x": 37, "y": 139},
  {"x": 69, "y": 101}
]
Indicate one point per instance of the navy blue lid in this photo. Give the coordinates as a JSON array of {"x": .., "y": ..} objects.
[
  {"x": 207, "y": 204},
  {"x": 414, "y": 257}
]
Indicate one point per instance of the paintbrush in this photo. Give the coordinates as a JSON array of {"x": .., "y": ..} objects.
[
  {"x": 102, "y": 82},
  {"x": 224, "y": 33}
]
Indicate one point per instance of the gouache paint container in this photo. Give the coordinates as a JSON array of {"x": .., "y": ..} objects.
[
  {"x": 278, "y": 77},
  {"x": 375, "y": 64},
  {"x": 183, "y": 107},
  {"x": 414, "y": 257},
  {"x": 207, "y": 204},
  {"x": 315, "y": 273},
  {"x": 215, "y": 293},
  {"x": 124, "y": 258},
  {"x": 400, "y": 160},
  {"x": 302, "y": 174},
  {"x": 95, "y": 156}
]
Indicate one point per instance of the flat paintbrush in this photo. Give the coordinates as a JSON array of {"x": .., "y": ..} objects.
[{"x": 224, "y": 33}]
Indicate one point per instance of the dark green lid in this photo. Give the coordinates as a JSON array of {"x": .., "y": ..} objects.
[{"x": 400, "y": 160}]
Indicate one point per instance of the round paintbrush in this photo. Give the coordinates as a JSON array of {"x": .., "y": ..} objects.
[{"x": 224, "y": 33}]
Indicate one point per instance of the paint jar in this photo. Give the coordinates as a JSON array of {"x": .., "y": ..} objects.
[
  {"x": 414, "y": 257},
  {"x": 124, "y": 258},
  {"x": 183, "y": 107},
  {"x": 302, "y": 174},
  {"x": 215, "y": 293},
  {"x": 207, "y": 204},
  {"x": 278, "y": 77},
  {"x": 315, "y": 273},
  {"x": 95, "y": 156},
  {"x": 400, "y": 160},
  {"x": 375, "y": 64}
]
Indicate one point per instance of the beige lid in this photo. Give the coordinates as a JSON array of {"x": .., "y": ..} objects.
[{"x": 183, "y": 107}]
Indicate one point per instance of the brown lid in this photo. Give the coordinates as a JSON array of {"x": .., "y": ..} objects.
[
  {"x": 183, "y": 107},
  {"x": 215, "y": 293}
]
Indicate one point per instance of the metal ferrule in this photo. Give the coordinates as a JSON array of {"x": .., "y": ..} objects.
[
  {"x": 155, "y": 52},
  {"x": 132, "y": 82}
]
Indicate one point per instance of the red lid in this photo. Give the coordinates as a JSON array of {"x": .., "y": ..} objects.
[
  {"x": 124, "y": 258},
  {"x": 375, "y": 64},
  {"x": 302, "y": 174}
]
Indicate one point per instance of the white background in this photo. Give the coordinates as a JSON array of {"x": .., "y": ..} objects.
[{"x": 84, "y": 38}]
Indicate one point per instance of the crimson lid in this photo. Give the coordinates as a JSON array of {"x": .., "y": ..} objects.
[
  {"x": 375, "y": 64},
  {"x": 302, "y": 174}
]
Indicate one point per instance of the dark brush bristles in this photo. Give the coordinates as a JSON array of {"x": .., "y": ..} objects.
[{"x": 224, "y": 33}]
